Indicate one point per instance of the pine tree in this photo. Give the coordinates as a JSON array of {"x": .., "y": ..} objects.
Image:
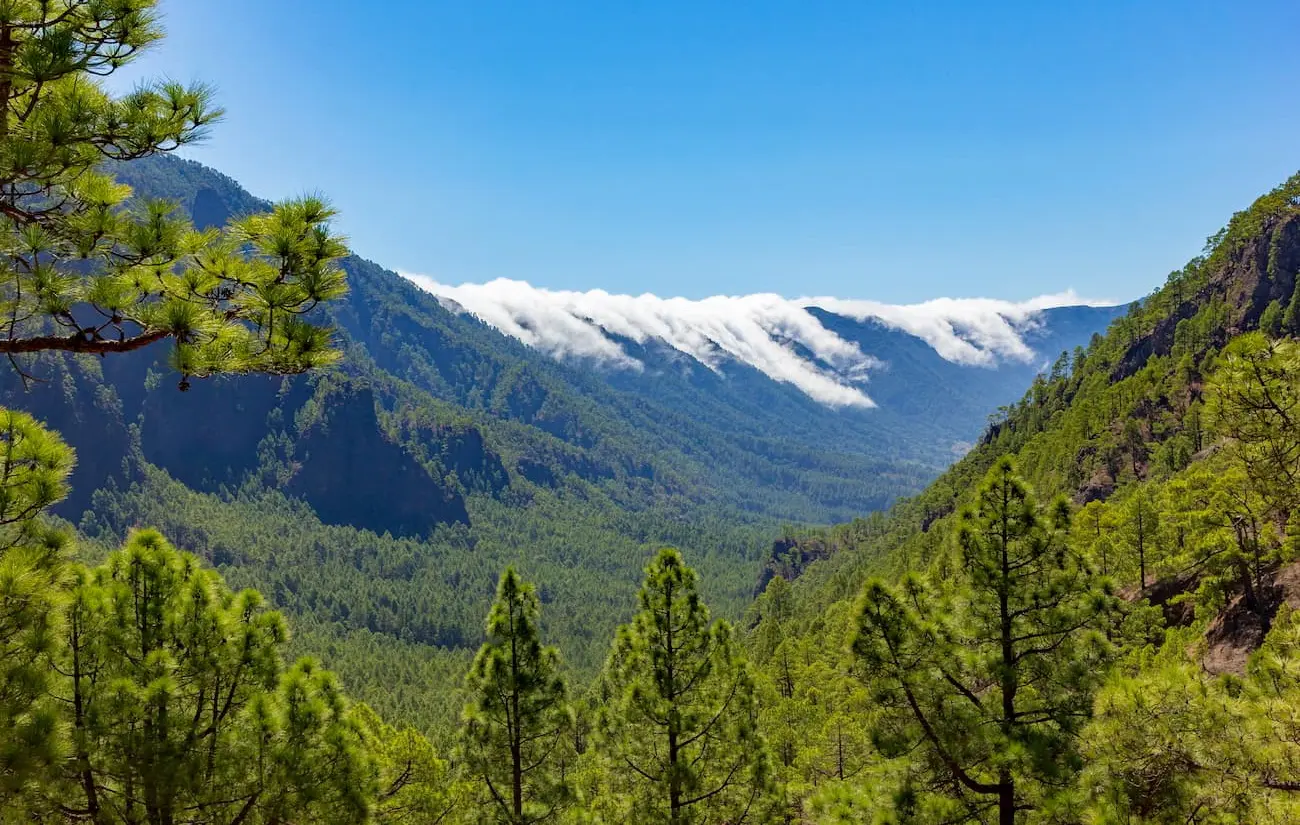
[
  {"x": 310, "y": 764},
  {"x": 179, "y": 710},
  {"x": 1155, "y": 751},
  {"x": 1092, "y": 527},
  {"x": 416, "y": 786},
  {"x": 1291, "y": 318},
  {"x": 518, "y": 713},
  {"x": 988, "y": 678},
  {"x": 83, "y": 271},
  {"x": 1270, "y": 321},
  {"x": 1228, "y": 542},
  {"x": 1171, "y": 743},
  {"x": 34, "y": 468},
  {"x": 1139, "y": 530},
  {"x": 680, "y": 727},
  {"x": 1253, "y": 399}
]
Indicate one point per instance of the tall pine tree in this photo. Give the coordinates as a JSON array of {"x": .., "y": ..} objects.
[
  {"x": 518, "y": 714},
  {"x": 85, "y": 269},
  {"x": 1254, "y": 400},
  {"x": 989, "y": 678},
  {"x": 680, "y": 729},
  {"x": 1139, "y": 531},
  {"x": 34, "y": 468}
]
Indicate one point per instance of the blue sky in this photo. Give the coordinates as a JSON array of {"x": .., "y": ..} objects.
[{"x": 892, "y": 151}]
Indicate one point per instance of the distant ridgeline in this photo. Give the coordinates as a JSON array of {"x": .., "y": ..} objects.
[{"x": 377, "y": 503}]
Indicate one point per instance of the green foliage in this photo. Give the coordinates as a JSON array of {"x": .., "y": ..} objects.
[
  {"x": 1224, "y": 538},
  {"x": 491, "y": 454},
  {"x": 679, "y": 732},
  {"x": 1137, "y": 534},
  {"x": 1291, "y": 318},
  {"x": 416, "y": 786},
  {"x": 145, "y": 690},
  {"x": 31, "y": 578},
  {"x": 179, "y": 710},
  {"x": 978, "y": 685},
  {"x": 518, "y": 713},
  {"x": 1173, "y": 432},
  {"x": 400, "y": 618},
  {"x": 1172, "y": 744},
  {"x": 82, "y": 272},
  {"x": 1270, "y": 323},
  {"x": 33, "y": 474},
  {"x": 816, "y": 716},
  {"x": 990, "y": 676},
  {"x": 34, "y": 467},
  {"x": 1071, "y": 433},
  {"x": 1152, "y": 732},
  {"x": 1254, "y": 401}
]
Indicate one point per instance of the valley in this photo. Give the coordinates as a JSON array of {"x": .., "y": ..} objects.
[
  {"x": 690, "y": 496},
  {"x": 376, "y": 503}
]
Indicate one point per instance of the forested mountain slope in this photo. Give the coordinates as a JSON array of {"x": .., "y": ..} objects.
[
  {"x": 378, "y": 502},
  {"x": 1127, "y": 406},
  {"x": 1090, "y": 617},
  {"x": 735, "y": 435}
]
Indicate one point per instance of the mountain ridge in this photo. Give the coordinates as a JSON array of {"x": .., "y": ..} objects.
[
  {"x": 789, "y": 340},
  {"x": 1066, "y": 432},
  {"x": 475, "y": 451}
]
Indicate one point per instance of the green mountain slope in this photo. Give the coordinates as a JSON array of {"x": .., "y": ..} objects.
[
  {"x": 376, "y": 504},
  {"x": 1172, "y": 448},
  {"x": 1129, "y": 409}
]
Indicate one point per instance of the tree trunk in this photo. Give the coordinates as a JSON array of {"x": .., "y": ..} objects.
[
  {"x": 7, "y": 46},
  {"x": 674, "y": 782},
  {"x": 79, "y": 722},
  {"x": 1006, "y": 785},
  {"x": 674, "y": 721},
  {"x": 1007, "y": 800},
  {"x": 516, "y": 744},
  {"x": 839, "y": 754},
  {"x": 1251, "y": 596},
  {"x": 1142, "y": 549}
]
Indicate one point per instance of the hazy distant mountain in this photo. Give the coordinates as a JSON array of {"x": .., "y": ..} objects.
[{"x": 931, "y": 371}]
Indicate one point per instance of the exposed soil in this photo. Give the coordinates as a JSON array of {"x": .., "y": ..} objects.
[{"x": 1238, "y": 632}]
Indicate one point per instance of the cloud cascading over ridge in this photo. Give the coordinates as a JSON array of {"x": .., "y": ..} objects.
[{"x": 763, "y": 331}]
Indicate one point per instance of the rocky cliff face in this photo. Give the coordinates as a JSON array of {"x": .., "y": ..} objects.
[
  {"x": 320, "y": 442},
  {"x": 345, "y": 468},
  {"x": 1248, "y": 276}
]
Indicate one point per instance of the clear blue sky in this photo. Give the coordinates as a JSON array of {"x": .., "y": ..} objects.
[{"x": 894, "y": 151}]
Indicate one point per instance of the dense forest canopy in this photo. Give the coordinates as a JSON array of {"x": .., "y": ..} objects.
[
  {"x": 1090, "y": 618},
  {"x": 1138, "y": 670}
]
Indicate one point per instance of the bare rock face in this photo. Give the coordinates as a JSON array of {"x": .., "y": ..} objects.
[
  {"x": 352, "y": 474},
  {"x": 1232, "y": 637},
  {"x": 1164, "y": 595},
  {"x": 1238, "y": 631},
  {"x": 1251, "y": 277}
]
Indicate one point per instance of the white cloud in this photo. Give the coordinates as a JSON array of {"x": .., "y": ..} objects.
[
  {"x": 974, "y": 331},
  {"x": 759, "y": 330}
]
